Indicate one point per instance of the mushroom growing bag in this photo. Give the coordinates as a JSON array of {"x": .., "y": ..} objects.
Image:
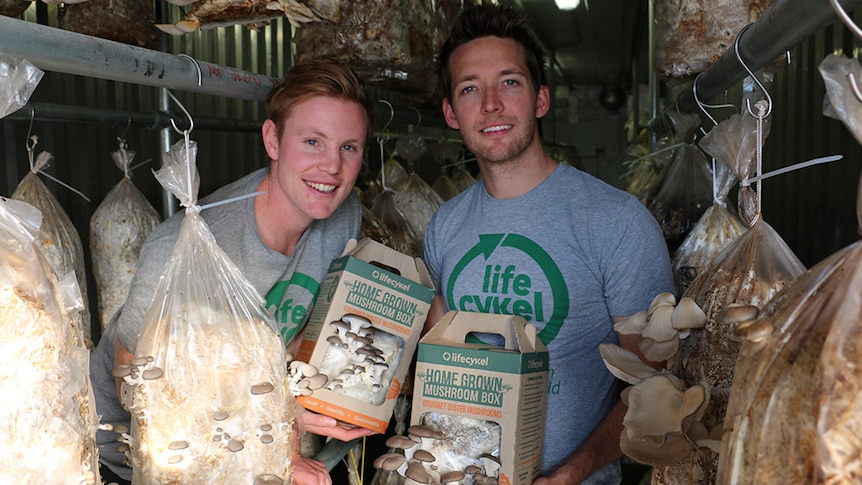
[
  {"x": 208, "y": 389},
  {"x": 118, "y": 229},
  {"x": 726, "y": 142},
  {"x": 685, "y": 191},
  {"x": 795, "y": 410},
  {"x": 751, "y": 271},
  {"x": 58, "y": 239},
  {"x": 47, "y": 419}
]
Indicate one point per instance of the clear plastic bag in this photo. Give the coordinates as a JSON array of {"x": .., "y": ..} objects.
[
  {"x": 717, "y": 227},
  {"x": 751, "y": 270},
  {"x": 58, "y": 239},
  {"x": 20, "y": 79},
  {"x": 462, "y": 178},
  {"x": 404, "y": 238},
  {"x": 685, "y": 191},
  {"x": 47, "y": 419},
  {"x": 795, "y": 410},
  {"x": 118, "y": 228},
  {"x": 208, "y": 389},
  {"x": 374, "y": 228},
  {"x": 418, "y": 202}
]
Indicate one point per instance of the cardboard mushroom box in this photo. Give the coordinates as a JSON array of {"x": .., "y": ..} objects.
[
  {"x": 363, "y": 332},
  {"x": 479, "y": 409}
]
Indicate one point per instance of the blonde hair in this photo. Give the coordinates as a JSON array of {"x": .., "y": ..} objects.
[{"x": 316, "y": 78}]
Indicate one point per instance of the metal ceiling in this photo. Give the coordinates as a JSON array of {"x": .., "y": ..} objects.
[{"x": 598, "y": 43}]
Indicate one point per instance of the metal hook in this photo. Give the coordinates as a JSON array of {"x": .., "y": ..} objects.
[
  {"x": 697, "y": 100},
  {"x": 30, "y": 129},
  {"x": 183, "y": 108},
  {"x": 391, "y": 114},
  {"x": 845, "y": 17},
  {"x": 122, "y": 138},
  {"x": 703, "y": 105},
  {"x": 753, "y": 77},
  {"x": 419, "y": 115},
  {"x": 197, "y": 66},
  {"x": 381, "y": 139},
  {"x": 854, "y": 86}
]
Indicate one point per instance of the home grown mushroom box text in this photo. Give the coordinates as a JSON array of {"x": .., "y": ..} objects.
[
  {"x": 487, "y": 401},
  {"x": 363, "y": 332}
]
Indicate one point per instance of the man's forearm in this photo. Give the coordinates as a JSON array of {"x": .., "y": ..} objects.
[{"x": 599, "y": 449}]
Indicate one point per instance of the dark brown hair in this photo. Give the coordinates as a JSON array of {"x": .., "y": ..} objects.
[{"x": 492, "y": 21}]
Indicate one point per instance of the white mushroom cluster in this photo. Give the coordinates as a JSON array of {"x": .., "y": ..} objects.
[
  {"x": 663, "y": 325},
  {"x": 358, "y": 359},
  {"x": 302, "y": 378},
  {"x": 662, "y": 425},
  {"x": 419, "y": 466}
]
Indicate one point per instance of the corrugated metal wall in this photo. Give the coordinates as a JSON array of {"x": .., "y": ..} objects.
[
  {"x": 813, "y": 209},
  {"x": 83, "y": 150}
]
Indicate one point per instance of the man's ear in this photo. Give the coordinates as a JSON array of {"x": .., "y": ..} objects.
[
  {"x": 270, "y": 139},
  {"x": 543, "y": 101},
  {"x": 449, "y": 115}
]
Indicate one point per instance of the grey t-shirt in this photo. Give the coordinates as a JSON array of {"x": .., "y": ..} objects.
[
  {"x": 567, "y": 256},
  {"x": 289, "y": 283}
]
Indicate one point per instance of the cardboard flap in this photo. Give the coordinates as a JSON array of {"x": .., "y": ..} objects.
[
  {"x": 378, "y": 254},
  {"x": 518, "y": 335}
]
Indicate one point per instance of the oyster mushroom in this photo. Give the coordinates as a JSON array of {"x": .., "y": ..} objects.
[
  {"x": 659, "y": 326},
  {"x": 391, "y": 462},
  {"x": 455, "y": 477},
  {"x": 425, "y": 434},
  {"x": 633, "y": 325},
  {"x": 416, "y": 472},
  {"x": 664, "y": 298},
  {"x": 491, "y": 464},
  {"x": 658, "y": 409},
  {"x": 686, "y": 316},
  {"x": 625, "y": 364},
  {"x": 674, "y": 450},
  {"x": 358, "y": 325},
  {"x": 755, "y": 331},
  {"x": 657, "y": 351},
  {"x": 341, "y": 328},
  {"x": 736, "y": 313},
  {"x": 424, "y": 456}
]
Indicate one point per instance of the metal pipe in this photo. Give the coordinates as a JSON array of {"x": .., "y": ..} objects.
[
  {"x": 784, "y": 25},
  {"x": 153, "y": 120},
  {"x": 53, "y": 49},
  {"x": 653, "y": 76}
]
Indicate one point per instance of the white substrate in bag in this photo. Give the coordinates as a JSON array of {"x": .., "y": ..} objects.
[
  {"x": 230, "y": 424},
  {"x": 47, "y": 423},
  {"x": 118, "y": 229},
  {"x": 58, "y": 239},
  {"x": 466, "y": 439},
  {"x": 208, "y": 388}
]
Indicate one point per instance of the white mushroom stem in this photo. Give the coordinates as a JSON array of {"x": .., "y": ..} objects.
[
  {"x": 491, "y": 464},
  {"x": 357, "y": 323}
]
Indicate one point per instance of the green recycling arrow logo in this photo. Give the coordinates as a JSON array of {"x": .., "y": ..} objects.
[
  {"x": 486, "y": 246},
  {"x": 288, "y": 314}
]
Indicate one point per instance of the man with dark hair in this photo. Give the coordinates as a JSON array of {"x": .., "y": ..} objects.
[{"x": 536, "y": 238}]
